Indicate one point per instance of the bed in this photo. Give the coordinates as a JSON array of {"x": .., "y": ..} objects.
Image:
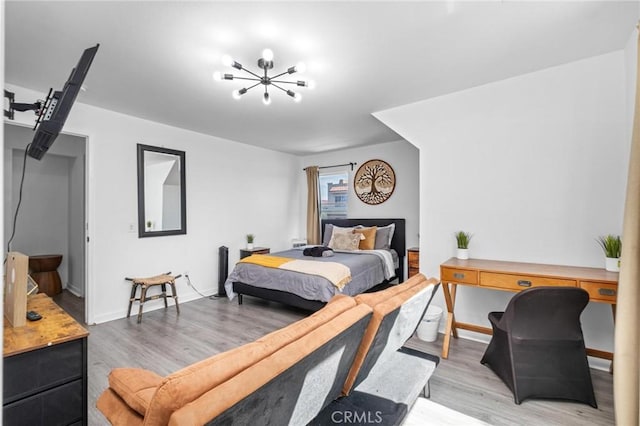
[{"x": 370, "y": 271}]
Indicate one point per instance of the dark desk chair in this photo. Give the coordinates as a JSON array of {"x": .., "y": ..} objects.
[{"x": 537, "y": 347}]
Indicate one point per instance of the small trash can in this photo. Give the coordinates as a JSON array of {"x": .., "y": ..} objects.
[{"x": 428, "y": 328}]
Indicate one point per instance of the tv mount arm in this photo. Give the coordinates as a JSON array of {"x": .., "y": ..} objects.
[{"x": 37, "y": 106}]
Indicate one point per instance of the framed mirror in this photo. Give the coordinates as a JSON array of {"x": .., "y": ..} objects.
[{"x": 162, "y": 199}]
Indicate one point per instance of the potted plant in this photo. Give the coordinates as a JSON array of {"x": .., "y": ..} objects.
[
  {"x": 250, "y": 238},
  {"x": 463, "y": 238},
  {"x": 612, "y": 246}
]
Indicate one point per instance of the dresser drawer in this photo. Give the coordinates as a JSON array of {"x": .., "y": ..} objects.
[
  {"x": 520, "y": 282},
  {"x": 457, "y": 275},
  {"x": 63, "y": 405},
  {"x": 36, "y": 371},
  {"x": 605, "y": 292}
]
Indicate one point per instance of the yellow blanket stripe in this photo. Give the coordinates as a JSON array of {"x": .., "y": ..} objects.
[{"x": 266, "y": 261}]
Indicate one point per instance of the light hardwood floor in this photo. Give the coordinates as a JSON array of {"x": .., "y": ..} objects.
[{"x": 165, "y": 342}]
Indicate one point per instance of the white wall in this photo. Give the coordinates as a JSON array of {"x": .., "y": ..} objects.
[
  {"x": 228, "y": 186},
  {"x": 534, "y": 166},
  {"x": 403, "y": 203},
  {"x": 43, "y": 222}
]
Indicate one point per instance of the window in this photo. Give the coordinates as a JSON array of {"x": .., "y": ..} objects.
[{"x": 334, "y": 189}]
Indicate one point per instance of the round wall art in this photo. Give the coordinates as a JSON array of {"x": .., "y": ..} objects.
[{"x": 374, "y": 182}]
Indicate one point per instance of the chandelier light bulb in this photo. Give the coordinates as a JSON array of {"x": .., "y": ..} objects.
[
  {"x": 266, "y": 99},
  {"x": 297, "y": 97},
  {"x": 301, "y": 67},
  {"x": 267, "y": 55},
  {"x": 217, "y": 76},
  {"x": 227, "y": 60},
  {"x": 311, "y": 84},
  {"x": 236, "y": 94}
]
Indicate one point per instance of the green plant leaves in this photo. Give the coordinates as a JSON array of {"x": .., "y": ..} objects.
[
  {"x": 463, "y": 238},
  {"x": 611, "y": 244}
]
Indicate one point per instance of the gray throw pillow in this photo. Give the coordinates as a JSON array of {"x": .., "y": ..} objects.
[
  {"x": 384, "y": 235},
  {"x": 328, "y": 231}
]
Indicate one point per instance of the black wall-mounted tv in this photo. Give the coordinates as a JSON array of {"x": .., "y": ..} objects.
[{"x": 58, "y": 105}]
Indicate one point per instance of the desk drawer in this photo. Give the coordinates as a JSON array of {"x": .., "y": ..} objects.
[
  {"x": 456, "y": 275},
  {"x": 605, "y": 292},
  {"x": 520, "y": 282}
]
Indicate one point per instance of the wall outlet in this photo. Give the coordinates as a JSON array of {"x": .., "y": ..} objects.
[{"x": 132, "y": 227}]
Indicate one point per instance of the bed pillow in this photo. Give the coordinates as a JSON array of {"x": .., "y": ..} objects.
[
  {"x": 369, "y": 237},
  {"x": 384, "y": 235},
  {"x": 345, "y": 241},
  {"x": 328, "y": 231},
  {"x": 340, "y": 230}
]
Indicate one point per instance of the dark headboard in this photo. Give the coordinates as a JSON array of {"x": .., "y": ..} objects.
[{"x": 398, "y": 242}]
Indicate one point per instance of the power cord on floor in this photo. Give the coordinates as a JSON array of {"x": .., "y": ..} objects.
[{"x": 192, "y": 286}]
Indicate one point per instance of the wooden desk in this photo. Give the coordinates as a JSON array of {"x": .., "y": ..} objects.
[
  {"x": 45, "y": 368},
  {"x": 515, "y": 276}
]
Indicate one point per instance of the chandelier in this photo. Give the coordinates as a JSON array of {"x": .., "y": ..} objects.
[{"x": 265, "y": 63}]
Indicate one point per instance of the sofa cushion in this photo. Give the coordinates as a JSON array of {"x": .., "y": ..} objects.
[
  {"x": 191, "y": 382},
  {"x": 393, "y": 322},
  {"x": 290, "y": 386},
  {"x": 337, "y": 305},
  {"x": 135, "y": 386},
  {"x": 117, "y": 411},
  {"x": 372, "y": 299}
]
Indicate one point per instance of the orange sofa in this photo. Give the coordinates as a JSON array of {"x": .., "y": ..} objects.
[{"x": 346, "y": 353}]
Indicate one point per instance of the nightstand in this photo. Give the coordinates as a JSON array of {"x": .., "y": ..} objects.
[
  {"x": 413, "y": 260},
  {"x": 256, "y": 250}
]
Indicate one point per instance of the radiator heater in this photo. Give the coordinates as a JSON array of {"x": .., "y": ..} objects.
[{"x": 223, "y": 270}]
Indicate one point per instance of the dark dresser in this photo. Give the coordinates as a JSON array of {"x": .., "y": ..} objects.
[{"x": 45, "y": 368}]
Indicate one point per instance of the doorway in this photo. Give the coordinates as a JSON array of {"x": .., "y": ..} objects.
[{"x": 52, "y": 214}]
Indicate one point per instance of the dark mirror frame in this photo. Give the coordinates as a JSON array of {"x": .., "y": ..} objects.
[{"x": 142, "y": 232}]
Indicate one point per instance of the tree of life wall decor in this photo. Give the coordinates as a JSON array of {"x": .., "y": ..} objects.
[{"x": 374, "y": 182}]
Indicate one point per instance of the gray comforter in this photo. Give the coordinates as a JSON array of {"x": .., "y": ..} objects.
[{"x": 367, "y": 270}]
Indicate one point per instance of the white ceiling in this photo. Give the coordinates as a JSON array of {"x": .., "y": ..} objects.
[{"x": 156, "y": 59}]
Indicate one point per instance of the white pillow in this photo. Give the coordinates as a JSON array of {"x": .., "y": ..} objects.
[
  {"x": 340, "y": 230},
  {"x": 345, "y": 241}
]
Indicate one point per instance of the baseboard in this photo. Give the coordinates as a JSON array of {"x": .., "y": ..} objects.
[
  {"x": 148, "y": 307},
  {"x": 78, "y": 292}
]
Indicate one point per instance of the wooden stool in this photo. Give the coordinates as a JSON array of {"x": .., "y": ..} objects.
[
  {"x": 145, "y": 284},
  {"x": 44, "y": 271}
]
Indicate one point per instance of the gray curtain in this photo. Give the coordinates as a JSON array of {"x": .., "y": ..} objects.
[
  {"x": 626, "y": 379},
  {"x": 313, "y": 206}
]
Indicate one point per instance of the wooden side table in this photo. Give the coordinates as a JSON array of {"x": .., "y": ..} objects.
[
  {"x": 44, "y": 271},
  {"x": 256, "y": 250},
  {"x": 413, "y": 260}
]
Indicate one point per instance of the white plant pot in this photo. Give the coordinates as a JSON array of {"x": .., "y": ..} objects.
[
  {"x": 612, "y": 264},
  {"x": 463, "y": 254},
  {"x": 249, "y": 246}
]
